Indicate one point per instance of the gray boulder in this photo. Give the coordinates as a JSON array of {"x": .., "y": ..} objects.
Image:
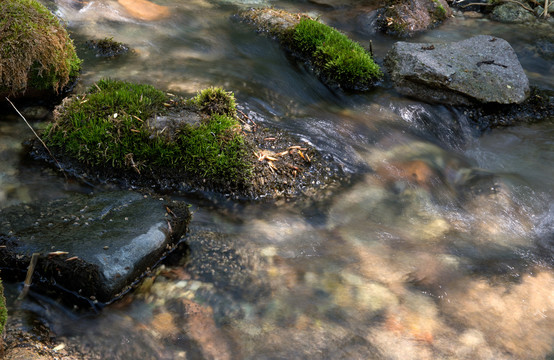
[
  {"x": 94, "y": 246},
  {"x": 482, "y": 69}
]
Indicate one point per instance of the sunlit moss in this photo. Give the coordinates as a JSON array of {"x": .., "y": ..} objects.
[
  {"x": 35, "y": 50},
  {"x": 110, "y": 127},
  {"x": 216, "y": 101},
  {"x": 337, "y": 58}
]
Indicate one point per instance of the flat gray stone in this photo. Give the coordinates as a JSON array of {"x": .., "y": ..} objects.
[
  {"x": 482, "y": 69},
  {"x": 95, "y": 246}
]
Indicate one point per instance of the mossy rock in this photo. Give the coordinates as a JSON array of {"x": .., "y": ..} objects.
[
  {"x": 132, "y": 126},
  {"x": 405, "y": 18},
  {"x": 144, "y": 137},
  {"x": 36, "y": 53},
  {"x": 335, "y": 58}
]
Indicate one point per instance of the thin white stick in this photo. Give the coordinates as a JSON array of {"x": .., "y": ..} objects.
[
  {"x": 29, "y": 277},
  {"x": 38, "y": 137}
]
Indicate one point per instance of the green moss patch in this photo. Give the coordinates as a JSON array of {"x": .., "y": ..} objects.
[
  {"x": 336, "y": 57},
  {"x": 117, "y": 124},
  {"x": 35, "y": 50}
]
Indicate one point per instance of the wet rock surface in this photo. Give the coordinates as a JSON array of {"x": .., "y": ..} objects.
[
  {"x": 482, "y": 69},
  {"x": 94, "y": 246}
]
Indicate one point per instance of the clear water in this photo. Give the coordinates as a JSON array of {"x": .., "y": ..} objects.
[{"x": 455, "y": 262}]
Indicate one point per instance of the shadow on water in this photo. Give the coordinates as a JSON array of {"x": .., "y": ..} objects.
[{"x": 441, "y": 248}]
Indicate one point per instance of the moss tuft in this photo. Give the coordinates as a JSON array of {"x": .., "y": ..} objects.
[
  {"x": 338, "y": 58},
  {"x": 439, "y": 13},
  {"x": 3, "y": 309},
  {"x": 215, "y": 148},
  {"x": 216, "y": 101},
  {"x": 110, "y": 126},
  {"x": 35, "y": 50}
]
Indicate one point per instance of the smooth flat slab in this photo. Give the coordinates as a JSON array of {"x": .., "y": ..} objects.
[{"x": 95, "y": 246}]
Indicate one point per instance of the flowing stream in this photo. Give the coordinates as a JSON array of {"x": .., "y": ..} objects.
[{"x": 442, "y": 248}]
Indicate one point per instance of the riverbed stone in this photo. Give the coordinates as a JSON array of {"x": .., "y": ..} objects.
[
  {"x": 94, "y": 246},
  {"x": 482, "y": 69}
]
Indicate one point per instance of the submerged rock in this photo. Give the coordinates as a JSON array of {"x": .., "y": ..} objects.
[
  {"x": 93, "y": 246},
  {"x": 107, "y": 47},
  {"x": 482, "y": 69},
  {"x": 537, "y": 108}
]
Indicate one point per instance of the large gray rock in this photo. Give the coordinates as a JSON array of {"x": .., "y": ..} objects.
[
  {"x": 482, "y": 69},
  {"x": 95, "y": 246}
]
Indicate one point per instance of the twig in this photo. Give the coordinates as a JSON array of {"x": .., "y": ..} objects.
[
  {"x": 479, "y": 4},
  {"x": 246, "y": 116},
  {"x": 371, "y": 48},
  {"x": 38, "y": 137},
  {"x": 29, "y": 277},
  {"x": 503, "y": 1}
]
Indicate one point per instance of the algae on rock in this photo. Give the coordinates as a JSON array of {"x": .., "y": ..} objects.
[
  {"x": 35, "y": 50},
  {"x": 334, "y": 57}
]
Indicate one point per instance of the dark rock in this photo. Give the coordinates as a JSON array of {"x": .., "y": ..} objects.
[
  {"x": 93, "y": 246},
  {"x": 511, "y": 13},
  {"x": 407, "y": 17},
  {"x": 482, "y": 69},
  {"x": 538, "y": 107}
]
